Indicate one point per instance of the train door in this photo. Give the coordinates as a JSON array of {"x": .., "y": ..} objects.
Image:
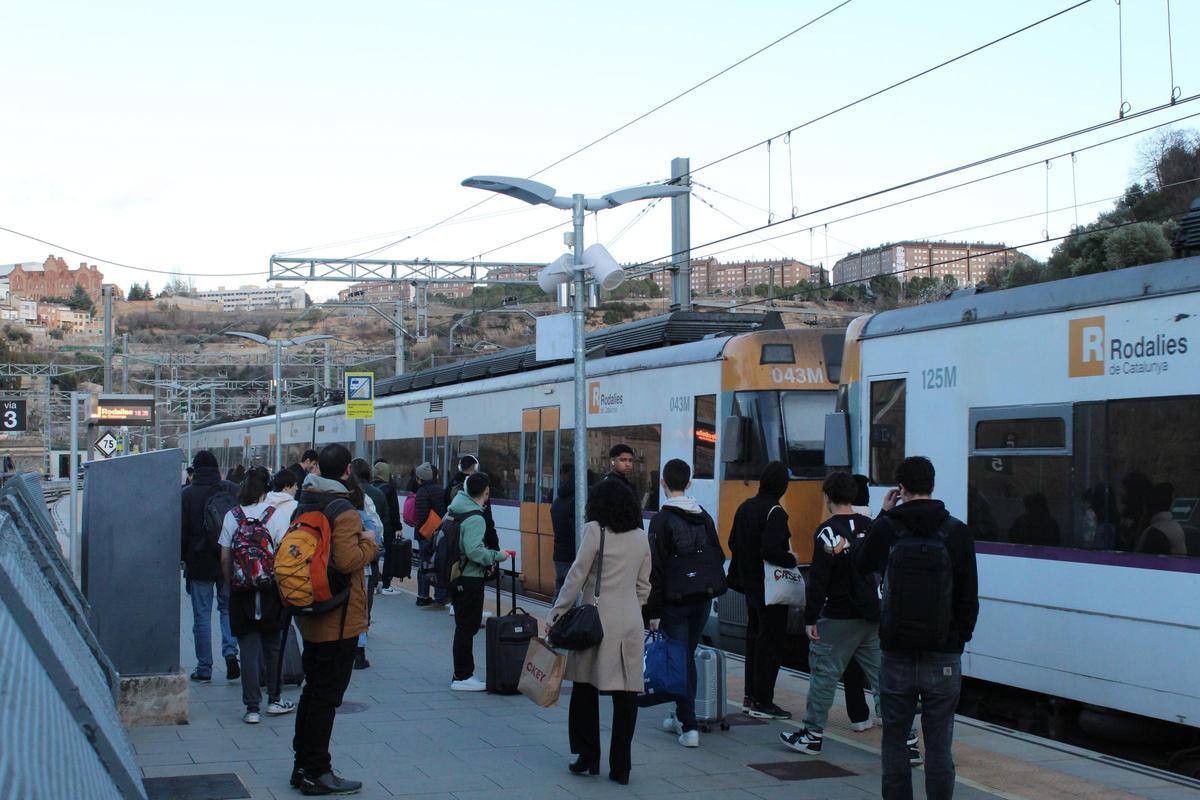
[
  {"x": 539, "y": 474},
  {"x": 433, "y": 447},
  {"x": 368, "y": 453}
]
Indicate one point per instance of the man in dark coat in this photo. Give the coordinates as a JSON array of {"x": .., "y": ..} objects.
[
  {"x": 431, "y": 497},
  {"x": 201, "y": 557},
  {"x": 307, "y": 466},
  {"x": 381, "y": 475},
  {"x": 761, "y": 536}
]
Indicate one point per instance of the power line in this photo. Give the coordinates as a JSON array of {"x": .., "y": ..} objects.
[
  {"x": 621, "y": 127},
  {"x": 895, "y": 85}
]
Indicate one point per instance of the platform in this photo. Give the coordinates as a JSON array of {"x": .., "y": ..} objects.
[{"x": 405, "y": 734}]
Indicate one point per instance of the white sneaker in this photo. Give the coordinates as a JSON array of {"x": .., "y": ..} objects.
[
  {"x": 673, "y": 725},
  {"x": 251, "y": 718},
  {"x": 389, "y": 590},
  {"x": 281, "y": 707},
  {"x": 865, "y": 725},
  {"x": 452, "y": 609},
  {"x": 690, "y": 739},
  {"x": 471, "y": 684}
]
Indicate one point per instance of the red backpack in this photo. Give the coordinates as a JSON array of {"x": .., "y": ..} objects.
[
  {"x": 253, "y": 552},
  {"x": 410, "y": 511},
  {"x": 304, "y": 571}
]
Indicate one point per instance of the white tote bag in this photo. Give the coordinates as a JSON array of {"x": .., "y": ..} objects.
[{"x": 782, "y": 586}]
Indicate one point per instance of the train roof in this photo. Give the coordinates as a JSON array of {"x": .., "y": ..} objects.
[
  {"x": 663, "y": 331},
  {"x": 970, "y": 306}
]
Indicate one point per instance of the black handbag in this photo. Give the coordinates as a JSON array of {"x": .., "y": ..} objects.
[
  {"x": 697, "y": 575},
  {"x": 580, "y": 628}
]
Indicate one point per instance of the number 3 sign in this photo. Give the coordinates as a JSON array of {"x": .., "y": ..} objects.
[{"x": 12, "y": 416}]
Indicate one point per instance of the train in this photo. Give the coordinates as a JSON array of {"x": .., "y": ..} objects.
[{"x": 1058, "y": 417}]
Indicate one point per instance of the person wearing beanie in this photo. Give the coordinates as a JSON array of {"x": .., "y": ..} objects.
[
  {"x": 381, "y": 479},
  {"x": 431, "y": 498},
  {"x": 761, "y": 536},
  {"x": 200, "y": 554}
]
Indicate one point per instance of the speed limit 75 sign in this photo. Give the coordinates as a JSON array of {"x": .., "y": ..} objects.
[{"x": 12, "y": 416}]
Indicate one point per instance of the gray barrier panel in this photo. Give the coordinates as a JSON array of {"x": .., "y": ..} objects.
[{"x": 130, "y": 572}]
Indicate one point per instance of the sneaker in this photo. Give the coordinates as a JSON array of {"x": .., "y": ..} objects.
[
  {"x": 199, "y": 677},
  {"x": 804, "y": 741},
  {"x": 277, "y": 707},
  {"x": 914, "y": 754},
  {"x": 360, "y": 659},
  {"x": 442, "y": 605},
  {"x": 328, "y": 784},
  {"x": 297, "y": 777},
  {"x": 690, "y": 739},
  {"x": 389, "y": 590},
  {"x": 746, "y": 704},
  {"x": 471, "y": 684},
  {"x": 251, "y": 718},
  {"x": 672, "y": 725},
  {"x": 232, "y": 670},
  {"x": 424, "y": 601},
  {"x": 771, "y": 711},
  {"x": 865, "y": 725},
  {"x": 452, "y": 609}
]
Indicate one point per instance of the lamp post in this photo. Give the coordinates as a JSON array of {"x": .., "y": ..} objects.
[
  {"x": 189, "y": 388},
  {"x": 278, "y": 345},
  {"x": 604, "y": 271}
]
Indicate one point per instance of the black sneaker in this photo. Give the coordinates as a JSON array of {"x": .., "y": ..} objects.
[
  {"x": 327, "y": 784},
  {"x": 360, "y": 659},
  {"x": 297, "y": 777},
  {"x": 914, "y": 755},
  {"x": 424, "y": 601},
  {"x": 768, "y": 711},
  {"x": 200, "y": 678},
  {"x": 232, "y": 670},
  {"x": 804, "y": 741}
]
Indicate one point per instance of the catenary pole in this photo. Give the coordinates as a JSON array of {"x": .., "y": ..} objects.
[
  {"x": 580, "y": 354},
  {"x": 681, "y": 237}
]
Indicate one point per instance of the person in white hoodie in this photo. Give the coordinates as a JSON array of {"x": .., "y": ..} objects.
[{"x": 282, "y": 496}]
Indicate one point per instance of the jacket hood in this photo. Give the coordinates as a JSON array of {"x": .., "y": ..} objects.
[
  {"x": 204, "y": 459},
  {"x": 382, "y": 472},
  {"x": 278, "y": 499},
  {"x": 683, "y": 505},
  {"x": 774, "y": 480},
  {"x": 463, "y": 502},
  {"x": 206, "y": 476},
  {"x": 922, "y": 516},
  {"x": 318, "y": 485}
]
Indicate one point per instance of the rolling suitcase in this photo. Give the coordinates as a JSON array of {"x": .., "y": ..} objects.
[
  {"x": 711, "y": 697},
  {"x": 507, "y": 640},
  {"x": 401, "y": 556}
]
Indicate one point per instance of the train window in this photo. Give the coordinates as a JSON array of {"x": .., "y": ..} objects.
[
  {"x": 1022, "y": 499},
  {"x": 549, "y": 471},
  {"x": 765, "y": 437},
  {"x": 778, "y": 354},
  {"x": 646, "y": 441},
  {"x": 529, "y": 477},
  {"x": 704, "y": 436},
  {"x": 887, "y": 429},
  {"x": 804, "y": 431},
  {"x": 403, "y": 455},
  {"x": 500, "y": 457},
  {"x": 1034, "y": 432}
]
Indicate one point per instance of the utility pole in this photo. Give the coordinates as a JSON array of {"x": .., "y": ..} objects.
[
  {"x": 399, "y": 334},
  {"x": 681, "y": 238},
  {"x": 328, "y": 376},
  {"x": 579, "y": 277},
  {"x": 106, "y": 292},
  {"x": 125, "y": 363}
]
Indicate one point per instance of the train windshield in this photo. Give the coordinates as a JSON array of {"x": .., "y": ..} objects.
[{"x": 804, "y": 431}]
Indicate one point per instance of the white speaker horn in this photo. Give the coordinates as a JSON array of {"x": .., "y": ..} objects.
[{"x": 604, "y": 268}]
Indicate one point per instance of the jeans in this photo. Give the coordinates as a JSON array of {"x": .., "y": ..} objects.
[
  {"x": 260, "y": 650},
  {"x": 561, "y": 568},
  {"x": 684, "y": 623},
  {"x": 468, "y": 614},
  {"x": 424, "y": 582},
  {"x": 765, "y": 630},
  {"x": 935, "y": 679},
  {"x": 202, "y": 603},
  {"x": 327, "y": 670},
  {"x": 841, "y": 640},
  {"x": 583, "y": 725}
]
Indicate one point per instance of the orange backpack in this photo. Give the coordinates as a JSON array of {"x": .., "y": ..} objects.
[{"x": 304, "y": 571}]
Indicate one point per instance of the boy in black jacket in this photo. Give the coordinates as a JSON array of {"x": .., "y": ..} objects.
[{"x": 909, "y": 669}]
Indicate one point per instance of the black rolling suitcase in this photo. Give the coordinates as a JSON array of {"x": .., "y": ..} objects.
[
  {"x": 401, "y": 556},
  {"x": 507, "y": 640}
]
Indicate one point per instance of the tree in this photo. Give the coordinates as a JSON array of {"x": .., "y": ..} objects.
[
  {"x": 1142, "y": 243},
  {"x": 80, "y": 300},
  {"x": 138, "y": 292},
  {"x": 178, "y": 286}
]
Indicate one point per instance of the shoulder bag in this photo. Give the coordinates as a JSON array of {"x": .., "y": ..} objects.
[
  {"x": 580, "y": 628},
  {"x": 782, "y": 586}
]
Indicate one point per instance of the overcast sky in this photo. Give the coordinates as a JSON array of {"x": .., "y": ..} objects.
[{"x": 203, "y": 138}]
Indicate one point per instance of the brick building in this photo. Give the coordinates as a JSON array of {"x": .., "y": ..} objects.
[
  {"x": 52, "y": 278},
  {"x": 967, "y": 262},
  {"x": 710, "y": 276}
]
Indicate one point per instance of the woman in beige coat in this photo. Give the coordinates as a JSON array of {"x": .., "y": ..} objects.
[{"x": 614, "y": 667}]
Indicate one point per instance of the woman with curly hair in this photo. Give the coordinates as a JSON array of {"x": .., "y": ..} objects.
[{"x": 614, "y": 667}]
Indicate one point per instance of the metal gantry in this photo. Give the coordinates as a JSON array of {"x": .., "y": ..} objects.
[{"x": 414, "y": 271}]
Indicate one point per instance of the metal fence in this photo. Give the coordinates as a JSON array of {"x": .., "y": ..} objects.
[{"x": 60, "y": 735}]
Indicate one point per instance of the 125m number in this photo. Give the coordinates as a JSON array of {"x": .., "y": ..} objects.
[{"x": 939, "y": 378}]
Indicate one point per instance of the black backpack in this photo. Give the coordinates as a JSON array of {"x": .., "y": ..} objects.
[
  {"x": 218, "y": 503},
  {"x": 918, "y": 590},
  {"x": 445, "y": 562}
]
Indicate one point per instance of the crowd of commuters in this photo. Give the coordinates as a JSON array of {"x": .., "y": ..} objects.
[{"x": 634, "y": 568}]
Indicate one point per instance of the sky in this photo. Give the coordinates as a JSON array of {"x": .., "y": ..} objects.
[{"x": 203, "y": 138}]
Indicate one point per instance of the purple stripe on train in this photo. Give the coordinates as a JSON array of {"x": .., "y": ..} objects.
[{"x": 1109, "y": 558}]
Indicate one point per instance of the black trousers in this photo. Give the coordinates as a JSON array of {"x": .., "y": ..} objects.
[
  {"x": 765, "y": 631},
  {"x": 389, "y": 569},
  {"x": 327, "y": 670},
  {"x": 583, "y": 725},
  {"x": 468, "y": 613}
]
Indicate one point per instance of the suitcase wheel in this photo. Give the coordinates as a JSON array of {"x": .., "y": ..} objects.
[
  {"x": 703, "y": 727},
  {"x": 724, "y": 726}
]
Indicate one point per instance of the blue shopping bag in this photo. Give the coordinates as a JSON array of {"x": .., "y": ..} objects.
[{"x": 664, "y": 669}]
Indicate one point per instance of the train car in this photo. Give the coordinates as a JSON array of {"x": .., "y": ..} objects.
[
  {"x": 684, "y": 386},
  {"x": 1063, "y": 420}
]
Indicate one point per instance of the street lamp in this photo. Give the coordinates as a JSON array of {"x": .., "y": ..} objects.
[
  {"x": 278, "y": 344},
  {"x": 189, "y": 388},
  {"x": 604, "y": 271}
]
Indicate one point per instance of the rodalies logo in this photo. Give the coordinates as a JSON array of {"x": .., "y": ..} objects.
[
  {"x": 601, "y": 403},
  {"x": 1093, "y": 350}
]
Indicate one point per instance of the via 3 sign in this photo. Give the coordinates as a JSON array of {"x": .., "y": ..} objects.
[{"x": 12, "y": 416}]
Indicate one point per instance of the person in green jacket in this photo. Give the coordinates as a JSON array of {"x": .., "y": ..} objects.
[{"x": 467, "y": 508}]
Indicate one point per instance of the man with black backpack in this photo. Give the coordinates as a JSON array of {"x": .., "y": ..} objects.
[
  {"x": 206, "y": 500},
  {"x": 930, "y": 604},
  {"x": 465, "y": 526}
]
